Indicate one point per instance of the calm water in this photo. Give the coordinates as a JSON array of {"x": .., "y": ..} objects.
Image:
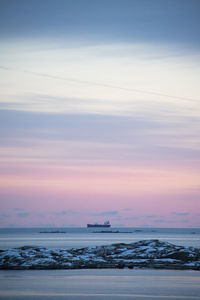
[
  {"x": 97, "y": 284},
  {"x": 83, "y": 237},
  {"x": 100, "y": 284}
]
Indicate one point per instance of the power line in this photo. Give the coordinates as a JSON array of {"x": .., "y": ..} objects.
[{"x": 98, "y": 84}]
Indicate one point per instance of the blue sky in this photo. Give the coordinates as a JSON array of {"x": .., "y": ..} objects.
[{"x": 172, "y": 21}]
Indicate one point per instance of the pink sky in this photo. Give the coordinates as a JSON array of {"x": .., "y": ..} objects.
[{"x": 128, "y": 195}]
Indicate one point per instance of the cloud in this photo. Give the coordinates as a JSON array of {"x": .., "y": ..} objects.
[
  {"x": 106, "y": 213},
  {"x": 128, "y": 209},
  {"x": 89, "y": 136},
  {"x": 162, "y": 221},
  {"x": 19, "y": 209},
  {"x": 152, "y": 216},
  {"x": 180, "y": 213},
  {"x": 68, "y": 121},
  {"x": 4, "y": 215},
  {"x": 23, "y": 214},
  {"x": 65, "y": 213},
  {"x": 185, "y": 221},
  {"x": 131, "y": 218},
  {"x": 165, "y": 221},
  {"x": 41, "y": 215}
]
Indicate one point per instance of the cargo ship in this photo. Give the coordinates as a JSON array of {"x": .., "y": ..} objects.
[{"x": 105, "y": 224}]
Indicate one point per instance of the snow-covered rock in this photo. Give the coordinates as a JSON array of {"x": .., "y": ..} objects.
[{"x": 142, "y": 254}]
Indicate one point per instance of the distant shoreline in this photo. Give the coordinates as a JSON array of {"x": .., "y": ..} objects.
[
  {"x": 112, "y": 231},
  {"x": 53, "y": 231}
]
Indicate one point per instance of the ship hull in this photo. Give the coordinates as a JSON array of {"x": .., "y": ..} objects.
[{"x": 99, "y": 225}]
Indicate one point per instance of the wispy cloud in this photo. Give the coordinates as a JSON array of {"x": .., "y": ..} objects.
[
  {"x": 20, "y": 209},
  {"x": 181, "y": 214},
  {"x": 106, "y": 213},
  {"x": 77, "y": 136},
  {"x": 162, "y": 221},
  {"x": 131, "y": 218},
  {"x": 23, "y": 214},
  {"x": 65, "y": 213},
  {"x": 5, "y": 215},
  {"x": 152, "y": 216}
]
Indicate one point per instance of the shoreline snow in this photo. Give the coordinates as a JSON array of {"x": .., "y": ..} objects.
[{"x": 142, "y": 254}]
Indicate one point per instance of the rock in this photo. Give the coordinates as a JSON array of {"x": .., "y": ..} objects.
[{"x": 142, "y": 254}]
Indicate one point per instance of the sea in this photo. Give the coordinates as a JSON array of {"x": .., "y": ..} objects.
[{"x": 97, "y": 284}]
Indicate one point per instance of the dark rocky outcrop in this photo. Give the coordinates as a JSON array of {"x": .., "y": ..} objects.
[{"x": 142, "y": 254}]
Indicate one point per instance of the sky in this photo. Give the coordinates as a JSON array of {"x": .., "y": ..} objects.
[{"x": 100, "y": 113}]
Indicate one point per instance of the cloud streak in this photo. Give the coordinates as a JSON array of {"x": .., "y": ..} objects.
[
  {"x": 66, "y": 213},
  {"x": 107, "y": 213},
  {"x": 23, "y": 214},
  {"x": 93, "y": 83},
  {"x": 181, "y": 214}
]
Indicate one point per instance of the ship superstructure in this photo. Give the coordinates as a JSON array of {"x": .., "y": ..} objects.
[{"x": 104, "y": 225}]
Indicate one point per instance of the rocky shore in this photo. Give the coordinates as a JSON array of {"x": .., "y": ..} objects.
[{"x": 142, "y": 254}]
